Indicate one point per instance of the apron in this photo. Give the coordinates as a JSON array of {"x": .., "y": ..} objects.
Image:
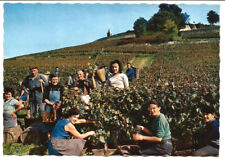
[
  {"x": 54, "y": 97},
  {"x": 68, "y": 146},
  {"x": 9, "y": 121}
]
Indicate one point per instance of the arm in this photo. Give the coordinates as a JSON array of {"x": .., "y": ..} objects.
[
  {"x": 139, "y": 137},
  {"x": 130, "y": 72},
  {"x": 49, "y": 103},
  {"x": 146, "y": 130},
  {"x": 43, "y": 80},
  {"x": 46, "y": 96},
  {"x": 22, "y": 92},
  {"x": 24, "y": 84},
  {"x": 73, "y": 131},
  {"x": 80, "y": 121},
  {"x": 20, "y": 106},
  {"x": 125, "y": 81},
  {"x": 93, "y": 82}
]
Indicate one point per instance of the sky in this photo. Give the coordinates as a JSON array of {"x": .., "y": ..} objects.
[{"x": 31, "y": 28}]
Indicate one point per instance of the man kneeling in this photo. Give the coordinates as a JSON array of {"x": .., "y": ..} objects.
[{"x": 158, "y": 139}]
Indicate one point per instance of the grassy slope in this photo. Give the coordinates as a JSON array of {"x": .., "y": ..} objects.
[{"x": 193, "y": 51}]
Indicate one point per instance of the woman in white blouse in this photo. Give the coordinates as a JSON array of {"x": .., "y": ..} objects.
[{"x": 118, "y": 79}]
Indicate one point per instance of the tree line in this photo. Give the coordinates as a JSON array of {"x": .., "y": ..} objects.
[{"x": 168, "y": 20}]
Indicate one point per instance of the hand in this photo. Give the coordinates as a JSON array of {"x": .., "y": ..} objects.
[
  {"x": 137, "y": 137},
  {"x": 13, "y": 115},
  {"x": 27, "y": 90},
  {"x": 57, "y": 106},
  {"x": 91, "y": 133},
  {"x": 140, "y": 127},
  {"x": 94, "y": 123},
  {"x": 41, "y": 80},
  {"x": 53, "y": 105}
]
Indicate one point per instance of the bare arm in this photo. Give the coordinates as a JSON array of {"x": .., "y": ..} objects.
[
  {"x": 80, "y": 121},
  {"x": 146, "y": 130},
  {"x": 93, "y": 82},
  {"x": 48, "y": 102},
  {"x": 20, "y": 106},
  {"x": 73, "y": 131},
  {"x": 22, "y": 92},
  {"x": 139, "y": 137}
]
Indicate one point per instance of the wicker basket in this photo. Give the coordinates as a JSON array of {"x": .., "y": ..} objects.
[
  {"x": 102, "y": 152},
  {"x": 101, "y": 74}
]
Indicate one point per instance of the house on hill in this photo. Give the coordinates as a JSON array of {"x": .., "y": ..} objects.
[
  {"x": 109, "y": 33},
  {"x": 187, "y": 28},
  {"x": 194, "y": 27}
]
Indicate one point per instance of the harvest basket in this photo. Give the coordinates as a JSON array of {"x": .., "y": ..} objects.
[
  {"x": 11, "y": 134},
  {"x": 102, "y": 152},
  {"x": 101, "y": 74}
]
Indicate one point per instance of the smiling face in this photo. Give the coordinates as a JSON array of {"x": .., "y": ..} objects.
[
  {"x": 73, "y": 119},
  {"x": 115, "y": 68},
  {"x": 208, "y": 117},
  {"x": 154, "y": 110},
  {"x": 8, "y": 95},
  {"x": 55, "y": 81},
  {"x": 80, "y": 75}
]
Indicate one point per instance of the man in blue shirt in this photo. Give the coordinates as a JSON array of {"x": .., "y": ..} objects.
[
  {"x": 56, "y": 72},
  {"x": 35, "y": 83},
  {"x": 130, "y": 72}
]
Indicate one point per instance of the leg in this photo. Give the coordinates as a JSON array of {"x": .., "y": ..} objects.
[
  {"x": 41, "y": 107},
  {"x": 163, "y": 148},
  {"x": 33, "y": 109}
]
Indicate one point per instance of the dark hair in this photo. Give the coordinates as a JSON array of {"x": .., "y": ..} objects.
[
  {"x": 7, "y": 90},
  {"x": 153, "y": 102},
  {"x": 33, "y": 67},
  {"x": 70, "y": 112},
  {"x": 119, "y": 63},
  {"x": 103, "y": 66},
  {"x": 208, "y": 109},
  {"x": 79, "y": 70}
]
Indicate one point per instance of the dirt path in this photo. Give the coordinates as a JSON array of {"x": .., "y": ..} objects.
[
  {"x": 142, "y": 63},
  {"x": 131, "y": 61}
]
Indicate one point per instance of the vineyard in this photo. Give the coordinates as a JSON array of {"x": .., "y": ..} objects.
[{"x": 183, "y": 78}]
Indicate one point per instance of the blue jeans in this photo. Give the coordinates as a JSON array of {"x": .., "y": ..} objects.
[{"x": 163, "y": 147}]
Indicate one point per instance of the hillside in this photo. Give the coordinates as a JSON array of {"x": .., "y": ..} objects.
[{"x": 127, "y": 43}]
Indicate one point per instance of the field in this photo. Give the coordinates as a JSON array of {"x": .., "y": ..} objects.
[{"x": 182, "y": 77}]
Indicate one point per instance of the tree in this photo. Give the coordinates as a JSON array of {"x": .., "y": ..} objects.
[
  {"x": 156, "y": 23},
  {"x": 140, "y": 26},
  {"x": 170, "y": 8},
  {"x": 212, "y": 17},
  {"x": 173, "y": 8},
  {"x": 170, "y": 28}
]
